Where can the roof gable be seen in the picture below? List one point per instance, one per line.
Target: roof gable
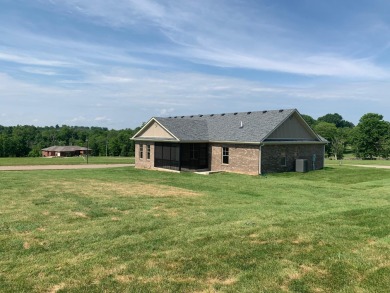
(153, 129)
(293, 128)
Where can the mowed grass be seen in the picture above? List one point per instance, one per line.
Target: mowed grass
(65, 161)
(129, 230)
(357, 162)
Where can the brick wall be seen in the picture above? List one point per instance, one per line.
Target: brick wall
(242, 158)
(144, 163)
(245, 158)
(271, 156)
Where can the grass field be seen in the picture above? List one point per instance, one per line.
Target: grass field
(357, 162)
(128, 230)
(65, 161)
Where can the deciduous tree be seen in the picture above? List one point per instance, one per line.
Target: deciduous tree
(370, 136)
(336, 119)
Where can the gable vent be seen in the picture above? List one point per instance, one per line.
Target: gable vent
(280, 111)
(248, 113)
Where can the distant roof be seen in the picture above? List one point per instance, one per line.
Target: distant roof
(238, 126)
(65, 149)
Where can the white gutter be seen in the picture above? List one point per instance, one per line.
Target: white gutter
(292, 142)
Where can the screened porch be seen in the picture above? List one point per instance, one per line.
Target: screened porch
(181, 156)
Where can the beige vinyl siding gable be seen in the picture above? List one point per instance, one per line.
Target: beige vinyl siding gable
(293, 128)
(154, 130)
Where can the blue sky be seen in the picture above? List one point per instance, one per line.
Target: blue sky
(117, 63)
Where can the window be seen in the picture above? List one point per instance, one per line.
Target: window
(141, 151)
(148, 151)
(225, 155)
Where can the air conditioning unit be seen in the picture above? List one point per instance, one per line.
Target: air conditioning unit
(301, 165)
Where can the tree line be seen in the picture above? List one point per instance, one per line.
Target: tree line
(27, 141)
(369, 139)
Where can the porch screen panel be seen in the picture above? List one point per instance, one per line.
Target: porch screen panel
(203, 156)
(167, 155)
(194, 156)
(158, 155)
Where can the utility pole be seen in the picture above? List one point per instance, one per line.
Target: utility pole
(87, 149)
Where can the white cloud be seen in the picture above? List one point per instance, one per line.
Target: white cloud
(24, 59)
(78, 119)
(102, 119)
(40, 71)
(153, 93)
(266, 45)
(139, 74)
(165, 111)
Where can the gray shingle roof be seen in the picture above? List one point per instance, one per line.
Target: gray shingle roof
(240, 127)
(64, 149)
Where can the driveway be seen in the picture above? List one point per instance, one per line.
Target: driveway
(62, 167)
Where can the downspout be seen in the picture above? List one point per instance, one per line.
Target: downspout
(261, 144)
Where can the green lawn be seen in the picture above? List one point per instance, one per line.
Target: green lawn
(65, 161)
(129, 230)
(357, 162)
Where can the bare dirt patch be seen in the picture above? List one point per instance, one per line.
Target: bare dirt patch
(100, 272)
(125, 278)
(228, 281)
(158, 211)
(105, 189)
(57, 288)
(80, 215)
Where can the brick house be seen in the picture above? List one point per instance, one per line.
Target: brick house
(64, 151)
(247, 142)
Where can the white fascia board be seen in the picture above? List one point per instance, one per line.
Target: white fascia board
(153, 139)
